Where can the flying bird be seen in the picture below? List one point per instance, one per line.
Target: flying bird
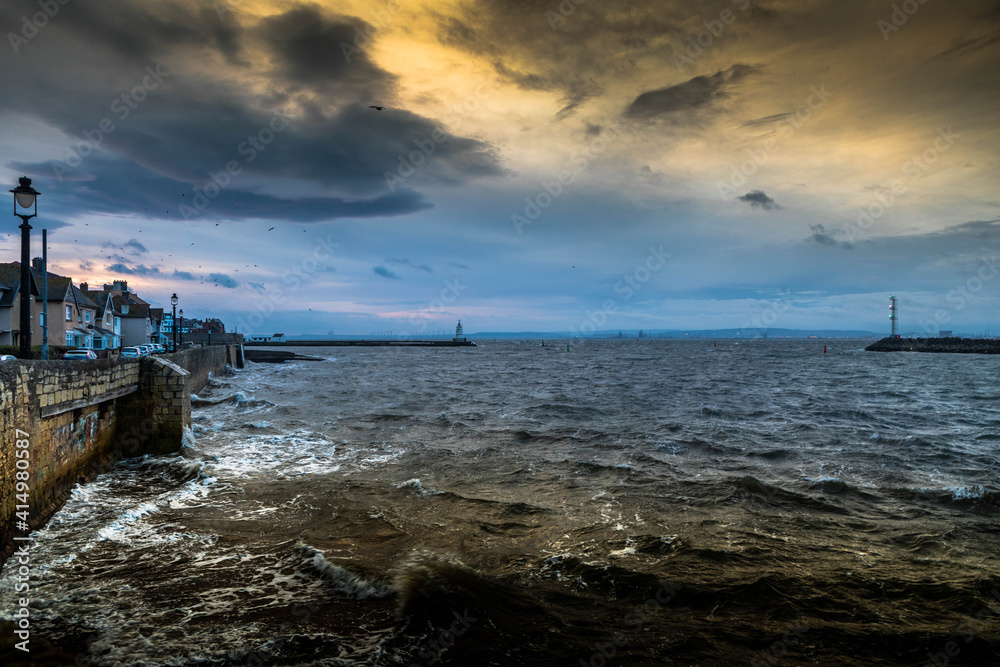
(377, 108)
(270, 229)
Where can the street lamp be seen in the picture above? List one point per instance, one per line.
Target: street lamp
(173, 321)
(25, 197)
(181, 313)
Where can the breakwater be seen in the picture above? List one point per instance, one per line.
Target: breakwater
(364, 343)
(951, 344)
(66, 421)
(276, 356)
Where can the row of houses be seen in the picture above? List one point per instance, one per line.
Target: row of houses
(83, 317)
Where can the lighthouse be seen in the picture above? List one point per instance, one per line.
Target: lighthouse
(459, 338)
(894, 316)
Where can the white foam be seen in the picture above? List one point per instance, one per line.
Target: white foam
(417, 487)
(345, 582)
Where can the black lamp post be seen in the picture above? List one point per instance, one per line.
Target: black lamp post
(182, 326)
(25, 197)
(173, 321)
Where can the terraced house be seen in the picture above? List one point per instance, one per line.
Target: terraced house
(72, 314)
(123, 310)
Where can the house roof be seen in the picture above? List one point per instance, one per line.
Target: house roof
(81, 299)
(58, 285)
(10, 273)
(101, 298)
(136, 309)
(60, 288)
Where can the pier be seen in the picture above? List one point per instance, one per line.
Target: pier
(365, 343)
(279, 340)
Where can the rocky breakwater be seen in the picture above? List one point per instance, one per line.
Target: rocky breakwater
(954, 344)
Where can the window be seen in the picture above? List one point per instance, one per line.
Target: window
(69, 338)
(87, 316)
(69, 313)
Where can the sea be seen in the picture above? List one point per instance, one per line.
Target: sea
(586, 502)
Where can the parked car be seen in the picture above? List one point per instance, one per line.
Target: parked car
(160, 348)
(131, 352)
(79, 354)
(7, 357)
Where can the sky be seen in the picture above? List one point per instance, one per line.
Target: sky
(574, 166)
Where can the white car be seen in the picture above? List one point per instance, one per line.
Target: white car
(79, 354)
(7, 357)
(131, 353)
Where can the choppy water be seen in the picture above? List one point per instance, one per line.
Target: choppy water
(625, 503)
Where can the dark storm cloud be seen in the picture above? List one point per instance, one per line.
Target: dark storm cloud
(384, 272)
(222, 280)
(532, 45)
(701, 91)
(138, 270)
(823, 237)
(758, 199)
(317, 49)
(406, 262)
(133, 30)
(134, 111)
(115, 186)
(133, 246)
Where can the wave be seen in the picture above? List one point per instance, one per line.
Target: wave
(417, 487)
(238, 399)
(344, 582)
(748, 486)
(978, 496)
(451, 613)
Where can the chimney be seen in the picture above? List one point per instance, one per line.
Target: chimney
(36, 263)
(83, 287)
(121, 285)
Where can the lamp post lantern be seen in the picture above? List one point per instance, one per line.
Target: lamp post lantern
(173, 320)
(25, 197)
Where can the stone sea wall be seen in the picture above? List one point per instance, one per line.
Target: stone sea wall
(65, 421)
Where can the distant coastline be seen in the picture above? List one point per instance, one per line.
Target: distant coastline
(953, 345)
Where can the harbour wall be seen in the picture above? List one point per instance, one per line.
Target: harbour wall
(66, 421)
(950, 344)
(363, 343)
